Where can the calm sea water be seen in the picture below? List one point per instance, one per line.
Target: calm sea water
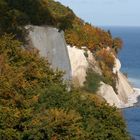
(130, 59)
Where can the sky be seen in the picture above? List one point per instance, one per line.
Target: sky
(106, 12)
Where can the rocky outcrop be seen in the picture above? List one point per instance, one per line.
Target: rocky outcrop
(93, 63)
(79, 65)
(51, 45)
(81, 60)
(123, 87)
(108, 93)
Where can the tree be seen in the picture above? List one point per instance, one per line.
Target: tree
(117, 44)
(92, 82)
(24, 76)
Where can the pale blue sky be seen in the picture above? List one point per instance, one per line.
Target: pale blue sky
(107, 12)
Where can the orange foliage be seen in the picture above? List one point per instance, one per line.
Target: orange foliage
(117, 44)
(106, 56)
(84, 34)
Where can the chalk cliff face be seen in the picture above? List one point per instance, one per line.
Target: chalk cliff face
(81, 60)
(79, 65)
(75, 62)
(108, 93)
(123, 86)
(124, 89)
(51, 44)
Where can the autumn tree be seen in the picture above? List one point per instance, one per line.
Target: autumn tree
(24, 76)
(117, 44)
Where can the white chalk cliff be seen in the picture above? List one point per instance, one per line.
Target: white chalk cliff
(124, 89)
(79, 65)
(123, 86)
(108, 93)
(51, 44)
(81, 60)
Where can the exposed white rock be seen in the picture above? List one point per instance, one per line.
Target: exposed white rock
(93, 63)
(79, 65)
(123, 86)
(125, 95)
(81, 60)
(108, 93)
(51, 44)
(117, 65)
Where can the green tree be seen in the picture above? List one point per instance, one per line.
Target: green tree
(23, 77)
(15, 14)
(92, 82)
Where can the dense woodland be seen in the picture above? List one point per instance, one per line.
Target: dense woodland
(34, 101)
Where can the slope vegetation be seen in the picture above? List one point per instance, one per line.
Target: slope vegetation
(34, 101)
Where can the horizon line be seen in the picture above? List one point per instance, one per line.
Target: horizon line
(97, 25)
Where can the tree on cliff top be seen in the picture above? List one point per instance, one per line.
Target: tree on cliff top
(15, 14)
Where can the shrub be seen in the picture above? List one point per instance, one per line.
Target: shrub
(86, 54)
(99, 121)
(55, 123)
(117, 44)
(64, 125)
(92, 82)
(106, 56)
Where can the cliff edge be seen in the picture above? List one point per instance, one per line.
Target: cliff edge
(75, 62)
(51, 45)
(123, 87)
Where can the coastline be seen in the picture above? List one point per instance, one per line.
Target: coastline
(131, 114)
(132, 99)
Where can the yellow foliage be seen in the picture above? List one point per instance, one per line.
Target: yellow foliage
(106, 56)
(84, 34)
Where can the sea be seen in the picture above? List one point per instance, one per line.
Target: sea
(130, 60)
